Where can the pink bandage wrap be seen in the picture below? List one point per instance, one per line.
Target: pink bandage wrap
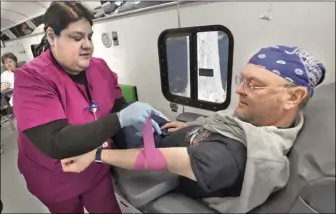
(150, 157)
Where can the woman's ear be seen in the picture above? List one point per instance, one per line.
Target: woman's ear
(51, 36)
(297, 95)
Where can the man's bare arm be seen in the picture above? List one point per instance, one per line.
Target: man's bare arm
(178, 160)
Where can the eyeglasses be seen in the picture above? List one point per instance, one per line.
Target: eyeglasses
(249, 87)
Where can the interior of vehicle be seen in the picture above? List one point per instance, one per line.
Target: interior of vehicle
(4, 101)
(311, 187)
(19, 64)
(185, 58)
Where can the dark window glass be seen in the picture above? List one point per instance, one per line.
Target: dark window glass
(196, 66)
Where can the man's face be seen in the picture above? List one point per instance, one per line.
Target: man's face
(263, 97)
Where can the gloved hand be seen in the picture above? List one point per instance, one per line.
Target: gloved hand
(139, 126)
(138, 113)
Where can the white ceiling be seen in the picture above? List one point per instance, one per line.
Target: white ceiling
(17, 12)
(14, 12)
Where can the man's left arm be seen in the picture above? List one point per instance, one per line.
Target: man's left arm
(212, 165)
(177, 158)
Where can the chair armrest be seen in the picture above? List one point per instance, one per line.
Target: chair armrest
(176, 203)
(188, 117)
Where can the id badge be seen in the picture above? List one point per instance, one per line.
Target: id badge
(105, 145)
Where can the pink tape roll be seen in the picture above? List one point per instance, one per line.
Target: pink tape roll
(150, 157)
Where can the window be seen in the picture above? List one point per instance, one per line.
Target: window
(38, 20)
(4, 37)
(34, 50)
(14, 32)
(177, 65)
(196, 66)
(24, 29)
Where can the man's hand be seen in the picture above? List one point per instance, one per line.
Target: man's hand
(174, 126)
(79, 163)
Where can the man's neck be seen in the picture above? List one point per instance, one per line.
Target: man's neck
(286, 122)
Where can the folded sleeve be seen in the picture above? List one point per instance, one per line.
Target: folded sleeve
(119, 105)
(215, 165)
(35, 101)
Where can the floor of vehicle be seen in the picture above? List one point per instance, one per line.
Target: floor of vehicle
(14, 194)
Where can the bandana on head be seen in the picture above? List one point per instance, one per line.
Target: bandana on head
(292, 63)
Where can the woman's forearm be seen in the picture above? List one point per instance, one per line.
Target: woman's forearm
(60, 140)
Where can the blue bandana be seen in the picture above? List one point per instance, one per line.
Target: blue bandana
(292, 63)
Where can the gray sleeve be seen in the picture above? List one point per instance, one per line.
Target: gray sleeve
(199, 122)
(216, 165)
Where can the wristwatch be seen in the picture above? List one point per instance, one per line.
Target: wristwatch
(98, 155)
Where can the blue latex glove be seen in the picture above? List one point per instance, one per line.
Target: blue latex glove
(138, 113)
(138, 128)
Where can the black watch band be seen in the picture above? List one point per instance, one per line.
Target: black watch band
(98, 155)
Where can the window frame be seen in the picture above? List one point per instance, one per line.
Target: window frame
(193, 100)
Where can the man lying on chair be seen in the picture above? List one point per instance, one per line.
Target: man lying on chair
(241, 155)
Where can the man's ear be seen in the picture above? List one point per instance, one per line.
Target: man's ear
(297, 95)
(51, 36)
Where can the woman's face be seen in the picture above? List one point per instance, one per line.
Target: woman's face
(9, 64)
(73, 49)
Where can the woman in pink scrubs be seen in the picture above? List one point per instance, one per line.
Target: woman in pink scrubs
(67, 103)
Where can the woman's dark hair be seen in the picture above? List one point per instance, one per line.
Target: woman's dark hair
(8, 56)
(59, 15)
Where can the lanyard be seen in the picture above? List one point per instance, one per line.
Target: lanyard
(93, 106)
(87, 91)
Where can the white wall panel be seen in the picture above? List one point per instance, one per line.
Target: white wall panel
(26, 42)
(135, 60)
(310, 25)
(18, 50)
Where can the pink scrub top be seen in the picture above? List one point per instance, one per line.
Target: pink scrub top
(43, 92)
